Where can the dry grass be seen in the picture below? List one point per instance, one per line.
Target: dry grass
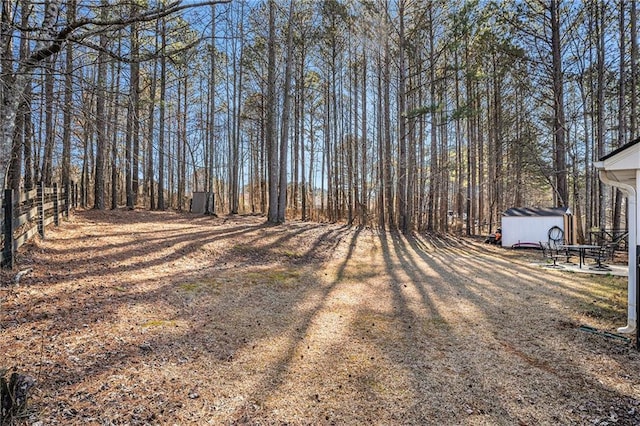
(160, 318)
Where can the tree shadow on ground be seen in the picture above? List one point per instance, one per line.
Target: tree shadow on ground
(303, 322)
(512, 314)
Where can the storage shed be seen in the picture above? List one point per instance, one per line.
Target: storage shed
(527, 227)
(202, 202)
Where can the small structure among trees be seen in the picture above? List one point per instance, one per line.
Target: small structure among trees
(202, 202)
(524, 226)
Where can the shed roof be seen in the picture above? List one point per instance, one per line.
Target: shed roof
(537, 211)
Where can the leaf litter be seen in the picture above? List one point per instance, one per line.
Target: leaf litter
(136, 317)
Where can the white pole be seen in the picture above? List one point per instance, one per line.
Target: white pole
(634, 214)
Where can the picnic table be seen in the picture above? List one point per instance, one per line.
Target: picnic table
(581, 249)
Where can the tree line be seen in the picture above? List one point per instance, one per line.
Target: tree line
(403, 114)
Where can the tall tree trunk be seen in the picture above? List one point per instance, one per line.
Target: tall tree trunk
(101, 117)
(133, 126)
(128, 148)
(386, 126)
(498, 150)
(312, 152)
(380, 143)
(12, 155)
(178, 154)
(211, 119)
(161, 131)
(298, 154)
(272, 157)
(459, 197)
(84, 181)
(68, 105)
(22, 142)
(559, 125)
(286, 113)
(150, 178)
(238, 73)
(633, 120)
(135, 112)
(351, 132)
(600, 105)
(170, 156)
(404, 219)
(364, 172)
(622, 112)
(443, 171)
(15, 167)
(182, 164)
(300, 151)
(113, 130)
(433, 166)
(471, 157)
(480, 155)
(47, 160)
(333, 164)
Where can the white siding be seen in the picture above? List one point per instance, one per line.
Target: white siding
(528, 229)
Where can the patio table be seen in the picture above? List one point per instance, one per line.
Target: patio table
(581, 249)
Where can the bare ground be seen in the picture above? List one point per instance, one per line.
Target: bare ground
(164, 318)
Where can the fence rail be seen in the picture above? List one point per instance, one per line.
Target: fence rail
(27, 214)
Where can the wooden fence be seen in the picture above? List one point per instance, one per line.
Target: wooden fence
(27, 214)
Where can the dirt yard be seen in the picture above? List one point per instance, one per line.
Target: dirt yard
(134, 317)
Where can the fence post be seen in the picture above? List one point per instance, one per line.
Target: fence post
(8, 250)
(67, 198)
(56, 205)
(41, 209)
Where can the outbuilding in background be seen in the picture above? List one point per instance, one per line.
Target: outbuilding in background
(527, 227)
(202, 202)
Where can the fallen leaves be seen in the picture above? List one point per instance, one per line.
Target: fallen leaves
(165, 318)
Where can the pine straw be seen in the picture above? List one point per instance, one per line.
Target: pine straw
(164, 318)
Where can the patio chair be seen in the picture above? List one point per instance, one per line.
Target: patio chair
(550, 252)
(563, 251)
(600, 255)
(613, 246)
